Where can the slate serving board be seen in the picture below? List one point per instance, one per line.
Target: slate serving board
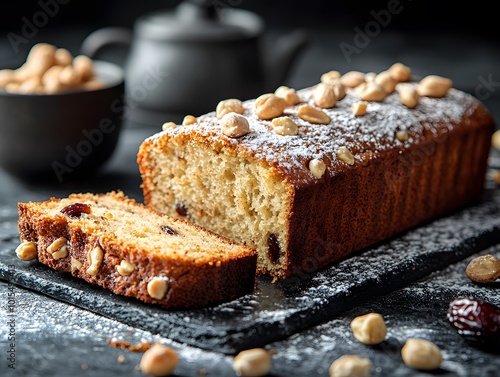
(276, 310)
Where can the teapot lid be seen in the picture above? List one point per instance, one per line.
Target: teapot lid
(200, 20)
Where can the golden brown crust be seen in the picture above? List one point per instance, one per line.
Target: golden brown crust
(191, 282)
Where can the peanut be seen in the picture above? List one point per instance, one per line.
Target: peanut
(288, 94)
(40, 58)
(6, 76)
(268, 106)
(125, 268)
(352, 79)
(229, 106)
(32, 85)
(253, 362)
(324, 96)
(95, 258)
(359, 108)
(339, 90)
(345, 155)
(408, 95)
(234, 125)
(313, 115)
(386, 81)
(400, 72)
(188, 120)
(371, 92)
(93, 84)
(421, 354)
(27, 251)
(84, 67)
(484, 269)
(159, 360)
(157, 288)
(168, 125)
(330, 77)
(285, 126)
(369, 328)
(350, 366)
(434, 86)
(317, 167)
(63, 57)
(402, 135)
(370, 76)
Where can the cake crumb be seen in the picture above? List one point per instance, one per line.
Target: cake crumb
(84, 366)
(202, 372)
(120, 359)
(123, 344)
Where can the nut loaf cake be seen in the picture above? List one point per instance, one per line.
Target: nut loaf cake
(117, 243)
(308, 177)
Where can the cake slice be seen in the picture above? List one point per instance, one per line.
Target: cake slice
(117, 243)
(311, 176)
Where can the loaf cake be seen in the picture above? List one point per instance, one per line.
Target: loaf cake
(118, 243)
(310, 176)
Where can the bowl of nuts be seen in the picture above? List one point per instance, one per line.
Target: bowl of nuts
(60, 116)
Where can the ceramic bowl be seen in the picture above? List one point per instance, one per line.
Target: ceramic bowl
(60, 136)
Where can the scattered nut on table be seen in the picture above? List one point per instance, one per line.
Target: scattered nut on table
(252, 363)
(421, 354)
(159, 360)
(369, 328)
(484, 269)
(350, 366)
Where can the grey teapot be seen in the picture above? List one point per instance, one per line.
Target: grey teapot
(185, 60)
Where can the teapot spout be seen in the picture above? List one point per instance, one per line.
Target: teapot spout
(281, 59)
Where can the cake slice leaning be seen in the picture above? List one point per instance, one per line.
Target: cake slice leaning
(119, 244)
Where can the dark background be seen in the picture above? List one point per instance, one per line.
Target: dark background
(432, 37)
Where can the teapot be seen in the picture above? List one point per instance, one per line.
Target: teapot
(185, 60)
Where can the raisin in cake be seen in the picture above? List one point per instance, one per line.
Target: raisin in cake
(117, 243)
(308, 177)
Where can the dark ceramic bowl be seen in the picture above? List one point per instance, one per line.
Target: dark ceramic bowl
(61, 136)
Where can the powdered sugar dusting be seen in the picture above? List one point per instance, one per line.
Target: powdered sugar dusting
(373, 132)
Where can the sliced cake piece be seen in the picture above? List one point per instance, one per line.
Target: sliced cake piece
(117, 243)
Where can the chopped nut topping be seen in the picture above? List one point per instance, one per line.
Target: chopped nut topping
(125, 268)
(285, 126)
(330, 77)
(408, 95)
(359, 108)
(371, 91)
(352, 79)
(27, 251)
(234, 125)
(76, 265)
(402, 135)
(434, 86)
(350, 365)
(227, 106)
(324, 96)
(369, 328)
(168, 125)
(370, 76)
(189, 119)
(313, 115)
(159, 360)
(269, 106)
(253, 362)
(386, 81)
(338, 90)
(345, 155)
(95, 258)
(421, 354)
(400, 72)
(157, 288)
(58, 248)
(317, 167)
(288, 94)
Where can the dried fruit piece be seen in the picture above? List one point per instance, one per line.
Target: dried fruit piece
(75, 210)
(169, 230)
(475, 319)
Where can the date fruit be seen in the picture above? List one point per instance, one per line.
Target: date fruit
(476, 320)
(75, 210)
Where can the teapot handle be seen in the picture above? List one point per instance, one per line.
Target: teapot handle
(99, 39)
